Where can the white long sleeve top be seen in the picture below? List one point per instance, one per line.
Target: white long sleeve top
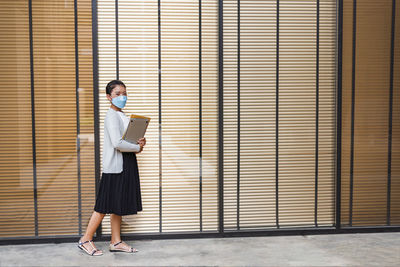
(115, 124)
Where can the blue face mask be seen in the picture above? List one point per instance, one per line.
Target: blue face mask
(119, 101)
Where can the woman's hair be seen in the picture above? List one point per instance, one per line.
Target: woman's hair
(111, 85)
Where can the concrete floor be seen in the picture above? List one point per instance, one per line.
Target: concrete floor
(376, 249)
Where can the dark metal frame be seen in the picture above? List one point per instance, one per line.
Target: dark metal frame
(200, 121)
(338, 228)
(159, 119)
(116, 41)
(277, 121)
(35, 197)
(78, 141)
(95, 48)
(353, 90)
(316, 121)
(390, 112)
(238, 122)
(220, 120)
(338, 119)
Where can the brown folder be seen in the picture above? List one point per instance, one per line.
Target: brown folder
(136, 128)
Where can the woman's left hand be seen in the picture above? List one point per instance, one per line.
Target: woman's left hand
(142, 141)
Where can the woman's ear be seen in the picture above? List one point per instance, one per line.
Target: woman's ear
(109, 97)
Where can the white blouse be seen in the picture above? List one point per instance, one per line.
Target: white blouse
(115, 124)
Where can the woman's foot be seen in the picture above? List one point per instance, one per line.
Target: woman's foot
(121, 247)
(89, 247)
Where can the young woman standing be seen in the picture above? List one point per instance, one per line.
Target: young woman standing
(119, 189)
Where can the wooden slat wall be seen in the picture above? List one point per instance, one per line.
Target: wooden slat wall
(55, 116)
(174, 172)
(250, 65)
(346, 108)
(86, 111)
(365, 204)
(138, 41)
(327, 110)
(138, 65)
(297, 112)
(180, 124)
(185, 170)
(16, 182)
(55, 113)
(230, 99)
(371, 109)
(209, 114)
(107, 71)
(257, 107)
(395, 185)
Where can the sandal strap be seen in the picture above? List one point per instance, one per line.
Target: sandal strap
(116, 244)
(90, 242)
(81, 243)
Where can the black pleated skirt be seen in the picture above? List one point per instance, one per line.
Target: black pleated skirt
(119, 193)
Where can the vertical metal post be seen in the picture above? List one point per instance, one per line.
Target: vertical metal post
(78, 145)
(220, 119)
(339, 31)
(390, 112)
(116, 41)
(95, 55)
(353, 95)
(316, 122)
(35, 196)
(200, 123)
(238, 121)
(159, 118)
(277, 120)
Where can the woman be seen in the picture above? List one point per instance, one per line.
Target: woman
(119, 189)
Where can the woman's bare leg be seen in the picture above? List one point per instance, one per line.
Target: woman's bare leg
(116, 232)
(115, 228)
(93, 224)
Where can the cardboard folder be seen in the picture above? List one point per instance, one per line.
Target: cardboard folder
(136, 128)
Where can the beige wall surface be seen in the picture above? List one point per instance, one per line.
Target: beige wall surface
(283, 122)
(178, 168)
(368, 93)
(279, 108)
(64, 175)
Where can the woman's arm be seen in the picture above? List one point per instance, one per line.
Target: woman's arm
(116, 139)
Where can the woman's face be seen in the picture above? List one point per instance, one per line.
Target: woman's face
(117, 91)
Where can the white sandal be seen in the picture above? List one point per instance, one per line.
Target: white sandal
(114, 249)
(91, 253)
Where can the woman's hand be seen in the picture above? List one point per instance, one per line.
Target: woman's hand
(142, 143)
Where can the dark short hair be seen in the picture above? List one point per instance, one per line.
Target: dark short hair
(111, 85)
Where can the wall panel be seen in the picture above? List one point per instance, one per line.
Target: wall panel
(17, 212)
(279, 113)
(166, 54)
(47, 142)
(370, 128)
(395, 160)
